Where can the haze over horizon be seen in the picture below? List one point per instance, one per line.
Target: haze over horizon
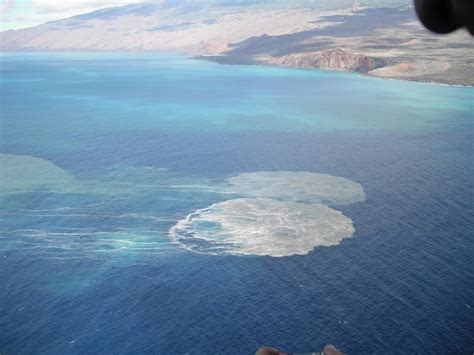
(20, 14)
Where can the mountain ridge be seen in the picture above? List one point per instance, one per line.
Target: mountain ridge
(389, 39)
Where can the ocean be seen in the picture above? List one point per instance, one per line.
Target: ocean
(151, 203)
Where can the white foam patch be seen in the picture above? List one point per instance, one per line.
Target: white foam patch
(297, 186)
(260, 226)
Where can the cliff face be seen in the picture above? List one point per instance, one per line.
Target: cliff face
(338, 59)
(332, 59)
(379, 41)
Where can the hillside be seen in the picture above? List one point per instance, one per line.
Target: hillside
(338, 35)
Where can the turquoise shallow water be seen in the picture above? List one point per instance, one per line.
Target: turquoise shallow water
(104, 154)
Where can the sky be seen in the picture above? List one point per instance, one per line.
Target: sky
(15, 14)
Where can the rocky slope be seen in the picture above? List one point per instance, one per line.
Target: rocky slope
(332, 59)
(384, 41)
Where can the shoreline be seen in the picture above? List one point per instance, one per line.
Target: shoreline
(229, 61)
(364, 75)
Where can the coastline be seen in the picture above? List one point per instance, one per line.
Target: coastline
(228, 60)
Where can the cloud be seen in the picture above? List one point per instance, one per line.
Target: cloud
(7, 6)
(59, 6)
(16, 14)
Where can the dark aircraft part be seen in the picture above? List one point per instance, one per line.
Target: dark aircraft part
(445, 16)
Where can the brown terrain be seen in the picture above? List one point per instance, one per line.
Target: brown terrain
(332, 59)
(385, 42)
(379, 42)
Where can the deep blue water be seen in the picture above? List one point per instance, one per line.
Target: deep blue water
(104, 153)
